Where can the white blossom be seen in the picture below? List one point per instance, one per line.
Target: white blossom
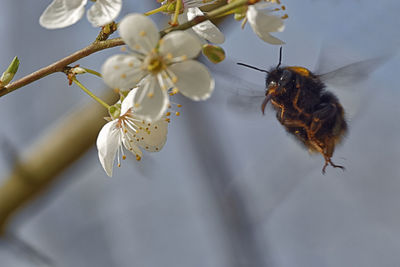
(63, 13)
(206, 29)
(158, 66)
(128, 132)
(263, 22)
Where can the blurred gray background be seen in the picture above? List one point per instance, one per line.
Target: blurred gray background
(228, 189)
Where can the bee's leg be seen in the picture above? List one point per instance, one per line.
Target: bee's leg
(319, 116)
(282, 107)
(327, 153)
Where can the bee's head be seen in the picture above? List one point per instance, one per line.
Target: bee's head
(277, 80)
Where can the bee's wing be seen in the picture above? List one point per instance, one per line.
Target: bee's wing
(241, 96)
(352, 73)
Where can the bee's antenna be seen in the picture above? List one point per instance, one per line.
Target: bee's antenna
(251, 67)
(280, 58)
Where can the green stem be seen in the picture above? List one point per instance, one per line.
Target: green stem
(90, 93)
(92, 72)
(154, 11)
(213, 14)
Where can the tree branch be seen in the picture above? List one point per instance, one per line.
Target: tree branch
(61, 64)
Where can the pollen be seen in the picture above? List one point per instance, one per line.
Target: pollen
(130, 64)
(169, 56)
(168, 113)
(168, 120)
(123, 75)
(150, 95)
(285, 16)
(116, 67)
(137, 105)
(124, 157)
(123, 49)
(174, 91)
(174, 79)
(179, 105)
(142, 33)
(138, 158)
(177, 113)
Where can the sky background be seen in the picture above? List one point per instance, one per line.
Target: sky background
(230, 188)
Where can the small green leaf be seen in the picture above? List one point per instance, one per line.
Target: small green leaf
(8, 75)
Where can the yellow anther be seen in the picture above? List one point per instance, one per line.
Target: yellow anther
(167, 120)
(174, 91)
(125, 130)
(169, 56)
(283, 7)
(150, 95)
(119, 165)
(138, 158)
(116, 90)
(179, 105)
(142, 33)
(285, 16)
(168, 113)
(124, 157)
(177, 113)
(184, 57)
(123, 75)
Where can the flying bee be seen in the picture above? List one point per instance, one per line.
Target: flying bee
(306, 110)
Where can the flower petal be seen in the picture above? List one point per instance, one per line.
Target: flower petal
(263, 23)
(150, 101)
(128, 101)
(206, 29)
(122, 71)
(62, 13)
(107, 143)
(103, 12)
(139, 32)
(194, 79)
(180, 43)
(153, 135)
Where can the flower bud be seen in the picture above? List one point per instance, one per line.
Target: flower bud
(214, 53)
(8, 75)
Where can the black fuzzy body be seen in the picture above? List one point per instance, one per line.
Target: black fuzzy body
(306, 110)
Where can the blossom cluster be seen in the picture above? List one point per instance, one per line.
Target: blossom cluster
(156, 66)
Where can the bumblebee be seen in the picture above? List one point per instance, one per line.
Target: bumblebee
(313, 115)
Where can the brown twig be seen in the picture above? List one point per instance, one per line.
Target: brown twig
(61, 64)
